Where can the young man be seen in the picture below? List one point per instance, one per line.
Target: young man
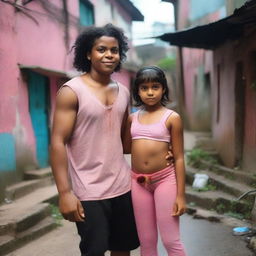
(91, 174)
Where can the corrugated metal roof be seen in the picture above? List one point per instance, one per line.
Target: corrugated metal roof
(132, 10)
(216, 33)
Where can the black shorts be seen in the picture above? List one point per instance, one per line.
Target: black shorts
(109, 225)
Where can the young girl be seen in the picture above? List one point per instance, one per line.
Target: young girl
(157, 191)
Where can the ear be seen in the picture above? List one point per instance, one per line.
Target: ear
(88, 56)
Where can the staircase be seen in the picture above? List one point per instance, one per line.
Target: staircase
(27, 213)
(225, 186)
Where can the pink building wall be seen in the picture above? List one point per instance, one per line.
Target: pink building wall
(194, 60)
(28, 43)
(124, 77)
(224, 131)
(36, 42)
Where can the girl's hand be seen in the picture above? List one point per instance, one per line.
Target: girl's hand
(179, 207)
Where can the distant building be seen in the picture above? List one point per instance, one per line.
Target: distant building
(217, 60)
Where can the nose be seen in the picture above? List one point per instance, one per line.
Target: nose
(109, 54)
(150, 91)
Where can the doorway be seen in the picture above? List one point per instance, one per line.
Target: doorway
(38, 88)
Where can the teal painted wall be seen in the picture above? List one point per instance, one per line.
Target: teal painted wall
(7, 152)
(86, 13)
(39, 108)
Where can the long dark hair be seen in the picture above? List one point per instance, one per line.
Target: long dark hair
(150, 74)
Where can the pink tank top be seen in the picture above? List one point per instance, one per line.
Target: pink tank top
(97, 167)
(155, 131)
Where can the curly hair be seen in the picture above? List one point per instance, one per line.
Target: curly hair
(150, 74)
(85, 41)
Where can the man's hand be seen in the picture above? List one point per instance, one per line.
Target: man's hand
(70, 207)
(169, 157)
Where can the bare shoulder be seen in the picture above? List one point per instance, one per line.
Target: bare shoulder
(66, 98)
(174, 119)
(174, 116)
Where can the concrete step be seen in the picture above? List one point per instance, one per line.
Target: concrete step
(12, 212)
(231, 174)
(213, 216)
(26, 218)
(38, 174)
(31, 216)
(230, 186)
(203, 140)
(218, 201)
(9, 243)
(23, 188)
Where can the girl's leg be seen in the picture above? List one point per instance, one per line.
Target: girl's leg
(165, 196)
(144, 211)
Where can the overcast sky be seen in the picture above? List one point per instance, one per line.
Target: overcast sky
(153, 11)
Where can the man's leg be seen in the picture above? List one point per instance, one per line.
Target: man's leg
(116, 253)
(94, 231)
(123, 233)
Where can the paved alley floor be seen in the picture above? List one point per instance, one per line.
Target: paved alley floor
(200, 238)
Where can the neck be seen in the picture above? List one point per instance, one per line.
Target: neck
(103, 79)
(153, 108)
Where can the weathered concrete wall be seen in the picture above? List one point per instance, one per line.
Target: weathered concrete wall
(227, 57)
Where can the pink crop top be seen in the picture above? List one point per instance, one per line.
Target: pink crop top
(155, 131)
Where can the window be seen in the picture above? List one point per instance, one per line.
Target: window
(86, 13)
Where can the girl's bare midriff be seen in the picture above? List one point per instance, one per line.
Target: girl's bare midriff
(148, 156)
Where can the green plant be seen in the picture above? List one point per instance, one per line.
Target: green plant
(195, 156)
(229, 176)
(220, 208)
(167, 63)
(253, 85)
(56, 214)
(209, 187)
(235, 215)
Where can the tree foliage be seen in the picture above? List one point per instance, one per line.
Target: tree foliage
(167, 64)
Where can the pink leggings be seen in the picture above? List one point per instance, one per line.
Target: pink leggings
(153, 197)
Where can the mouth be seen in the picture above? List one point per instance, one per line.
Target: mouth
(109, 63)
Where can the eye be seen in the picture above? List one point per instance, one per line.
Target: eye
(101, 49)
(143, 88)
(115, 50)
(156, 86)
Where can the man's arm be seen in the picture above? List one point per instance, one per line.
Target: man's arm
(63, 123)
(126, 134)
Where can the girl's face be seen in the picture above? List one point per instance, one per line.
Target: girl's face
(151, 93)
(104, 55)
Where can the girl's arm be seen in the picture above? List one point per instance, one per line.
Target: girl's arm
(126, 136)
(178, 154)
